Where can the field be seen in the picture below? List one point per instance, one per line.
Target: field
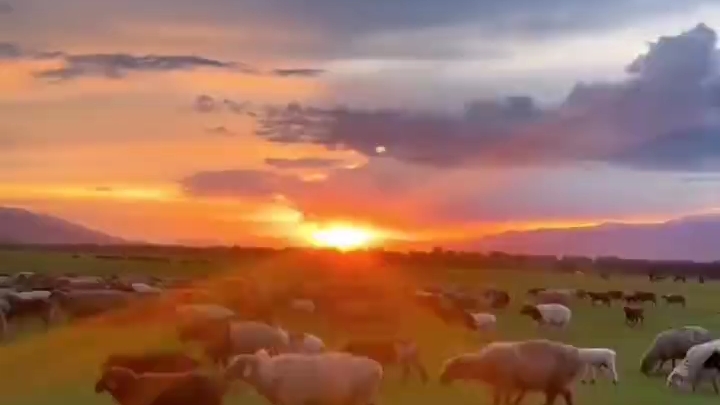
(59, 367)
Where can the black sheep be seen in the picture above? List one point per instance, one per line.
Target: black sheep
(152, 362)
(189, 388)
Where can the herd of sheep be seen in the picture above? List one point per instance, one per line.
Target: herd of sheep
(289, 367)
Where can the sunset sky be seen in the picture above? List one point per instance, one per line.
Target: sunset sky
(262, 121)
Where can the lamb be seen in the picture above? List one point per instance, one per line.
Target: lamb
(693, 368)
(152, 362)
(634, 315)
(603, 298)
(129, 388)
(674, 299)
(298, 379)
(533, 365)
(556, 315)
(562, 297)
(223, 338)
(596, 359)
(305, 343)
(641, 296)
(484, 321)
(672, 344)
(388, 351)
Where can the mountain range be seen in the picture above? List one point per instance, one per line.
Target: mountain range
(689, 238)
(19, 226)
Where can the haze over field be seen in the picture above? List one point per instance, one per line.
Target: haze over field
(346, 123)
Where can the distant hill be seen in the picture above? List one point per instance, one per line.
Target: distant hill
(690, 238)
(24, 227)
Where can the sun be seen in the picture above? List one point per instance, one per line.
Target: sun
(342, 237)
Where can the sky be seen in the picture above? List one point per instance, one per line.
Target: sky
(261, 121)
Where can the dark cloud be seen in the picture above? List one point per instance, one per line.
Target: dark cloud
(10, 51)
(6, 8)
(298, 72)
(220, 130)
(303, 163)
(118, 65)
(244, 183)
(204, 104)
(664, 116)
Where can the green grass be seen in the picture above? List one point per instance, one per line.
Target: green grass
(59, 367)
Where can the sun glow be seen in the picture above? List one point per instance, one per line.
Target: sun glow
(342, 236)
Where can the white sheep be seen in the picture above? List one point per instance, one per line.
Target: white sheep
(691, 370)
(484, 321)
(556, 315)
(303, 305)
(297, 379)
(598, 359)
(144, 288)
(305, 343)
(204, 311)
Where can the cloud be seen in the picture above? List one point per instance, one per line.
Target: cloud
(10, 51)
(303, 163)
(220, 130)
(238, 183)
(298, 72)
(115, 66)
(663, 116)
(6, 8)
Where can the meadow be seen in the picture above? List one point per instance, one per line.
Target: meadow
(59, 367)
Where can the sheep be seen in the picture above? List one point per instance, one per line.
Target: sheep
(143, 288)
(674, 299)
(223, 338)
(634, 315)
(615, 294)
(152, 362)
(603, 298)
(305, 343)
(672, 344)
(556, 315)
(388, 351)
(533, 365)
(679, 277)
(535, 291)
(303, 305)
(188, 388)
(598, 359)
(484, 321)
(641, 296)
(30, 304)
(298, 379)
(692, 368)
(204, 311)
(498, 299)
(562, 297)
(90, 302)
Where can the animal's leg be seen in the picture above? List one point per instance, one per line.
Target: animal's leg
(550, 396)
(672, 361)
(519, 398)
(421, 370)
(715, 385)
(567, 396)
(593, 374)
(584, 374)
(496, 396)
(405, 371)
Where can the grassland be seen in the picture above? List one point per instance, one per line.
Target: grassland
(59, 367)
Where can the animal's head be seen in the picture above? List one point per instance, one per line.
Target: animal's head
(461, 368)
(245, 367)
(116, 381)
(531, 311)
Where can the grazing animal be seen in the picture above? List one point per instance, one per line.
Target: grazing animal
(693, 367)
(170, 362)
(599, 298)
(563, 297)
(484, 321)
(297, 379)
(598, 359)
(190, 388)
(498, 299)
(634, 315)
(556, 315)
(674, 299)
(404, 353)
(305, 343)
(30, 304)
(80, 303)
(641, 296)
(680, 277)
(616, 294)
(671, 345)
(509, 367)
(535, 291)
(204, 311)
(222, 338)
